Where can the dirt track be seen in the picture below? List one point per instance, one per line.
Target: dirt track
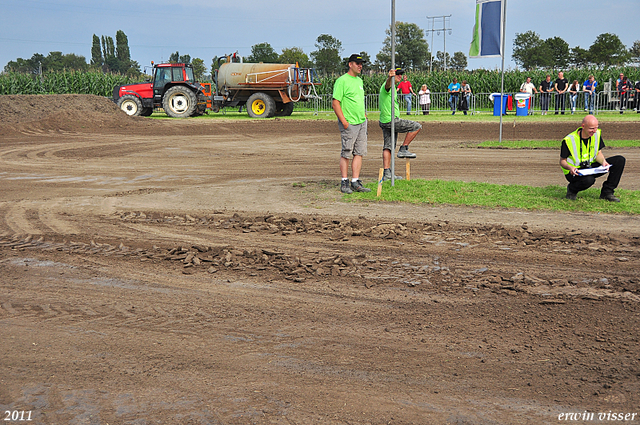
(172, 272)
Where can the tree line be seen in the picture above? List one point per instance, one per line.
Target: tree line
(530, 52)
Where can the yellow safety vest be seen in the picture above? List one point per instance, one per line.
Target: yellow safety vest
(578, 153)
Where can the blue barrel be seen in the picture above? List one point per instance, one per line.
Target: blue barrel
(522, 104)
(499, 99)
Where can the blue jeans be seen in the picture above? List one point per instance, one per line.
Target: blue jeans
(407, 98)
(453, 102)
(588, 101)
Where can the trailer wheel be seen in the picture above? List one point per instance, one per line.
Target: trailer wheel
(261, 105)
(179, 102)
(131, 105)
(285, 109)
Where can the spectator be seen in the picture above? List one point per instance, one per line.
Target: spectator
(624, 87)
(406, 90)
(530, 88)
(589, 87)
(637, 94)
(454, 93)
(561, 86)
(546, 88)
(574, 88)
(424, 97)
(465, 98)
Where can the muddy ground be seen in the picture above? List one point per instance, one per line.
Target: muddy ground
(209, 272)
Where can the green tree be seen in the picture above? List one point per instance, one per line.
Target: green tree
(579, 57)
(608, 50)
(122, 52)
(412, 50)
(327, 57)
(178, 58)
(262, 52)
(459, 61)
(634, 51)
(557, 52)
(294, 55)
(439, 61)
(96, 52)
(198, 68)
(529, 51)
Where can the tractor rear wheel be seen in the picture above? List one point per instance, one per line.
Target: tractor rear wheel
(131, 105)
(146, 112)
(261, 105)
(179, 102)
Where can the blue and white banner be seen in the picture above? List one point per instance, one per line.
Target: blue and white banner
(489, 29)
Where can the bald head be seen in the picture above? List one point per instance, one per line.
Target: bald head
(589, 126)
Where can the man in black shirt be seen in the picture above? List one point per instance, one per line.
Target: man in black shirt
(546, 88)
(582, 150)
(637, 94)
(561, 91)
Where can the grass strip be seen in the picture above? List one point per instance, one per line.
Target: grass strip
(550, 144)
(488, 195)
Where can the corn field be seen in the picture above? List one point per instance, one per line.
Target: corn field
(480, 80)
(65, 82)
(485, 81)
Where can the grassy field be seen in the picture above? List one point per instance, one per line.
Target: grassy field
(487, 195)
(233, 114)
(549, 144)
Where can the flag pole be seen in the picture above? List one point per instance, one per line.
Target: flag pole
(503, 36)
(393, 92)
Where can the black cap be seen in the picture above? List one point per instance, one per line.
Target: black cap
(399, 71)
(356, 58)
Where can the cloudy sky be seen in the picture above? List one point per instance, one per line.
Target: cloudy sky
(205, 29)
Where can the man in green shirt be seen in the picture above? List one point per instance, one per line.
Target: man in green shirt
(412, 128)
(348, 104)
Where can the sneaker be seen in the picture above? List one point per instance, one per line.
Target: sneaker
(357, 186)
(609, 197)
(387, 175)
(403, 152)
(345, 187)
(571, 196)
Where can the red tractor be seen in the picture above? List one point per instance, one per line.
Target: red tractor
(173, 89)
(266, 89)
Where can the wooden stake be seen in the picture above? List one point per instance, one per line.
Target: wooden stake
(380, 174)
(408, 171)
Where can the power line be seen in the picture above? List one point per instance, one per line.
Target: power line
(444, 30)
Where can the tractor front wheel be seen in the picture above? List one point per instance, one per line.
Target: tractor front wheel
(131, 105)
(261, 105)
(179, 102)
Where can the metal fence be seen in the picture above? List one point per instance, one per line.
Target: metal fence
(604, 101)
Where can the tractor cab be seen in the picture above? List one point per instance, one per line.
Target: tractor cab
(170, 74)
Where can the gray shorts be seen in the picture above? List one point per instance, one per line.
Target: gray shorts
(400, 126)
(354, 139)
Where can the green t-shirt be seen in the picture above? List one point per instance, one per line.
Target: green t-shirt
(385, 104)
(349, 91)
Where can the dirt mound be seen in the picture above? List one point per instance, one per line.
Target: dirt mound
(61, 113)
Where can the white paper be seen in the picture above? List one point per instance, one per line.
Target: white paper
(598, 170)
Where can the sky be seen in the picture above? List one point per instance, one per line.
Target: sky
(205, 29)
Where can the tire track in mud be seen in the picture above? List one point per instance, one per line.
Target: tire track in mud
(435, 257)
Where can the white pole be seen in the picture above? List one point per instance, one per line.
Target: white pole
(393, 92)
(503, 34)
